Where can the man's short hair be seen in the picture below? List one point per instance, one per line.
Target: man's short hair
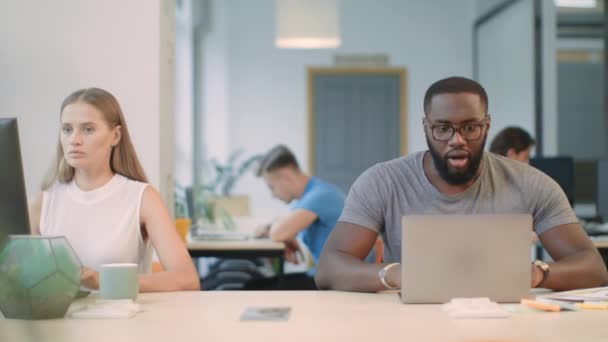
(277, 158)
(511, 138)
(454, 85)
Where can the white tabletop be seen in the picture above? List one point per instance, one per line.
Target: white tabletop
(600, 241)
(315, 316)
(224, 245)
(244, 225)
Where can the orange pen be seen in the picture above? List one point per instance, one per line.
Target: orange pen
(540, 305)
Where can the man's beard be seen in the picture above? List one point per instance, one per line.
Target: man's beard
(456, 177)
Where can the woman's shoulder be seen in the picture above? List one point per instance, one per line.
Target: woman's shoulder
(124, 181)
(151, 202)
(147, 191)
(55, 187)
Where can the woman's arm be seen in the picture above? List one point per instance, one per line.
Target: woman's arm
(35, 208)
(179, 273)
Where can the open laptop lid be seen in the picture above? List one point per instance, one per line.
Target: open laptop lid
(14, 217)
(449, 256)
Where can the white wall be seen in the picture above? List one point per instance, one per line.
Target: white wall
(485, 6)
(216, 133)
(51, 48)
(549, 58)
(183, 119)
(265, 99)
(506, 67)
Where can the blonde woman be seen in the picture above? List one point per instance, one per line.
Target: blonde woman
(99, 199)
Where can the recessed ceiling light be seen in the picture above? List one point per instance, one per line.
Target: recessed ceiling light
(576, 3)
(307, 24)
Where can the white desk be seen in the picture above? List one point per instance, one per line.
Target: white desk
(240, 249)
(245, 249)
(316, 316)
(245, 225)
(250, 248)
(195, 246)
(600, 242)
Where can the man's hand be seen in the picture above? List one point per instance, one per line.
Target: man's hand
(89, 278)
(262, 231)
(292, 249)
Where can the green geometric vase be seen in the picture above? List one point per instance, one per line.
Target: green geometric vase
(39, 277)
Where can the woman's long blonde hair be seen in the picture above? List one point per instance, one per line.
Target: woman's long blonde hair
(123, 159)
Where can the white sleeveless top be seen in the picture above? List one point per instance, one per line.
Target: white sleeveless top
(101, 225)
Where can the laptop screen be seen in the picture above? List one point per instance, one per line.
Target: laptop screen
(14, 217)
(561, 169)
(602, 189)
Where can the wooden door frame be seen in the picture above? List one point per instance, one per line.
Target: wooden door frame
(314, 71)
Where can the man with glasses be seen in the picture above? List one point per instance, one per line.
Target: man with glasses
(454, 176)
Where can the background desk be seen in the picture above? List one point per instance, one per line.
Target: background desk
(601, 243)
(245, 249)
(315, 316)
(199, 248)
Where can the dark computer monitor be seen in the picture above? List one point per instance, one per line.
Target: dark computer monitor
(14, 217)
(601, 195)
(561, 169)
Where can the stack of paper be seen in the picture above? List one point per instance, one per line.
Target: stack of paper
(122, 308)
(589, 299)
(596, 294)
(474, 308)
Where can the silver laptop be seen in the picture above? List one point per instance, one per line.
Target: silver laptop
(449, 256)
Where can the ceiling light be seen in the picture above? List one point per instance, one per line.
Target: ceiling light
(307, 24)
(576, 3)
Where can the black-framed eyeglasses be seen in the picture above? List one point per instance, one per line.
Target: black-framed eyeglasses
(469, 131)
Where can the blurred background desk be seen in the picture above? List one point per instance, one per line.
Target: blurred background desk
(249, 249)
(235, 249)
(241, 249)
(601, 243)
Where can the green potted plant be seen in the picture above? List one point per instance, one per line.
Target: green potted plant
(214, 202)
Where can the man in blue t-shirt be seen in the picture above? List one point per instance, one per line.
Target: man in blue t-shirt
(315, 207)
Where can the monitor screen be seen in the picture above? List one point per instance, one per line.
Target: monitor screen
(14, 217)
(561, 169)
(601, 195)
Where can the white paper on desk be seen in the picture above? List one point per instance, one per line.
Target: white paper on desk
(592, 294)
(107, 309)
(474, 308)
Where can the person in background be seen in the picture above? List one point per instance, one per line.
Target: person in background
(454, 176)
(99, 199)
(513, 142)
(314, 206)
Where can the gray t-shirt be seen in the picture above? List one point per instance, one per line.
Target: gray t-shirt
(383, 194)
